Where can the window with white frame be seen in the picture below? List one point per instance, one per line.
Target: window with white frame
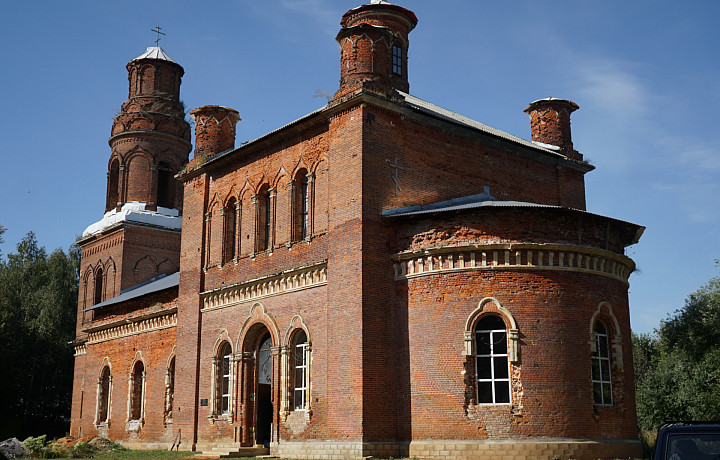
(491, 361)
(299, 356)
(169, 390)
(601, 382)
(223, 376)
(137, 379)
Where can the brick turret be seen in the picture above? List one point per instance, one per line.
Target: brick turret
(138, 238)
(373, 48)
(550, 124)
(214, 129)
(150, 138)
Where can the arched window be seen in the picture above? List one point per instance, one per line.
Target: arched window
(299, 363)
(136, 388)
(103, 398)
(98, 286)
(137, 186)
(301, 225)
(491, 361)
(231, 231)
(166, 186)
(169, 390)
(264, 219)
(113, 181)
(601, 382)
(224, 370)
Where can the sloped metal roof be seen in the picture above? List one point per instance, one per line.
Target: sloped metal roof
(484, 200)
(155, 52)
(466, 202)
(424, 107)
(157, 284)
(445, 114)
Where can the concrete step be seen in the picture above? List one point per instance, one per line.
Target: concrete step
(232, 452)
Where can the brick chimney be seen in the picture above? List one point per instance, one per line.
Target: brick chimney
(550, 124)
(373, 48)
(214, 129)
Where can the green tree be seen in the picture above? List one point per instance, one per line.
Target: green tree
(2, 230)
(677, 371)
(38, 300)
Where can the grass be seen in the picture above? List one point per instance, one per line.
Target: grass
(141, 455)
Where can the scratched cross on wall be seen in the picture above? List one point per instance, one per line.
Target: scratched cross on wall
(395, 175)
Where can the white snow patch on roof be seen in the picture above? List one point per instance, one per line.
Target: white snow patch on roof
(154, 52)
(546, 146)
(135, 211)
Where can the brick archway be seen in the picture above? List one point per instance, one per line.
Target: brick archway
(259, 371)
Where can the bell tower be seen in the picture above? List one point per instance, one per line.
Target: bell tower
(150, 139)
(138, 238)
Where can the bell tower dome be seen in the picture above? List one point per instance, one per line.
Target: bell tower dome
(373, 48)
(138, 238)
(150, 139)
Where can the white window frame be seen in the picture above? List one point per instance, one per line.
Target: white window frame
(136, 396)
(99, 406)
(300, 392)
(225, 377)
(600, 360)
(492, 355)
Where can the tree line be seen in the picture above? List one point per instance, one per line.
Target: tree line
(677, 368)
(38, 301)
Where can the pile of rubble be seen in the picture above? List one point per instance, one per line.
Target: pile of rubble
(68, 446)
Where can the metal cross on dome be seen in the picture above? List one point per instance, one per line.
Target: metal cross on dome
(157, 31)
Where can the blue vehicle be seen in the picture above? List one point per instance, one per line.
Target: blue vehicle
(688, 441)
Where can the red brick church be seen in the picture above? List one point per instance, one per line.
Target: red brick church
(381, 277)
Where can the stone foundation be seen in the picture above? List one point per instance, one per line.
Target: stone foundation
(501, 450)
(337, 449)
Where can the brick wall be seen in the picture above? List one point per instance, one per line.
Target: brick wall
(120, 351)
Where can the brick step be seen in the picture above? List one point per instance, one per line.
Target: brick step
(233, 452)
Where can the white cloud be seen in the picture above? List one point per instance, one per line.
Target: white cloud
(320, 11)
(611, 85)
(697, 159)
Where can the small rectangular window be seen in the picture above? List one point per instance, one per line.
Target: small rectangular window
(397, 59)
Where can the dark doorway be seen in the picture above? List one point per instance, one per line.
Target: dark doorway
(264, 407)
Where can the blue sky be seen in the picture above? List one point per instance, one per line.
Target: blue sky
(646, 75)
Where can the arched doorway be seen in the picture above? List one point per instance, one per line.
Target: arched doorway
(264, 382)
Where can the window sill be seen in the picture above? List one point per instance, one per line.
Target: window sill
(134, 425)
(480, 411)
(214, 418)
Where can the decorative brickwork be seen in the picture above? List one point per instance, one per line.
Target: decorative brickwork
(246, 291)
(133, 326)
(526, 256)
